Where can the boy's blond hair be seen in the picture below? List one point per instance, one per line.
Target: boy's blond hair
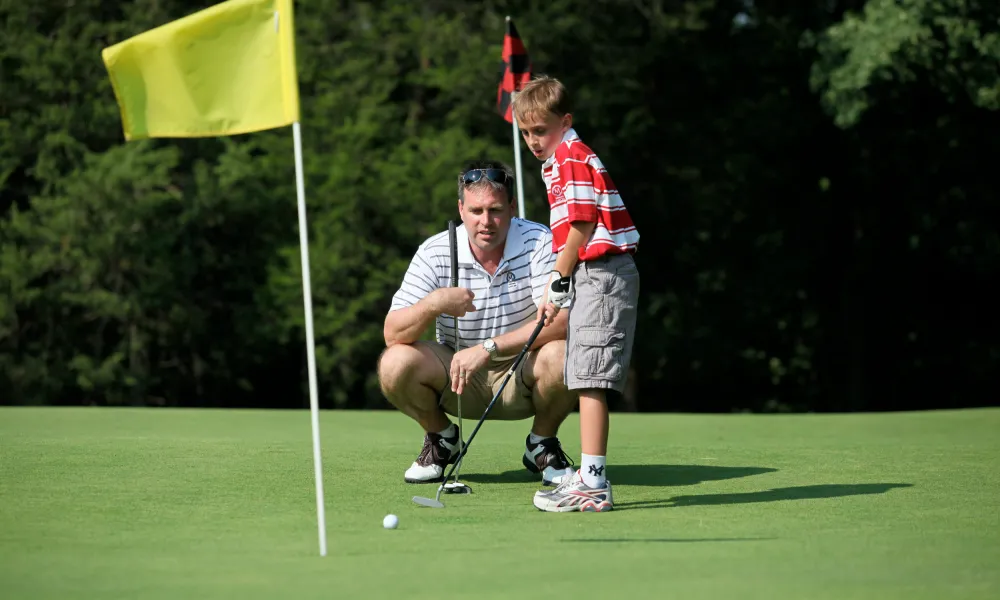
(541, 96)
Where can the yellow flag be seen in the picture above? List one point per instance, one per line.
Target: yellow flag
(226, 70)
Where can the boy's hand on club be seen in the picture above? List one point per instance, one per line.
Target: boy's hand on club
(547, 311)
(454, 301)
(559, 293)
(464, 364)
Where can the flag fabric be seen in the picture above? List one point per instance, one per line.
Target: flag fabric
(516, 70)
(225, 70)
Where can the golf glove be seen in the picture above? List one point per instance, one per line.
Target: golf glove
(560, 289)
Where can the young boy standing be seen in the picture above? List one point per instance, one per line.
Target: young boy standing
(594, 237)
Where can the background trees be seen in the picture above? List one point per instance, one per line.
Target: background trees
(814, 184)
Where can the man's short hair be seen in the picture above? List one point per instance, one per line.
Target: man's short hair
(486, 182)
(542, 96)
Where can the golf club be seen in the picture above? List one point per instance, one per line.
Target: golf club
(436, 501)
(455, 487)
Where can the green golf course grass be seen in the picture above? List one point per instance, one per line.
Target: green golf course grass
(164, 503)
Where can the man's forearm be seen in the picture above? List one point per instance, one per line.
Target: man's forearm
(406, 325)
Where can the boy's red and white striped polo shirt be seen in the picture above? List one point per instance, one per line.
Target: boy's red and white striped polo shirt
(580, 189)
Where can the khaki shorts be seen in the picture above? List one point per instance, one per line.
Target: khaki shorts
(515, 403)
(602, 323)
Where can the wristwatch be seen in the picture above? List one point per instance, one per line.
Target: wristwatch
(491, 347)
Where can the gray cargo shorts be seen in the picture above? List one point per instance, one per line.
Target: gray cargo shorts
(602, 323)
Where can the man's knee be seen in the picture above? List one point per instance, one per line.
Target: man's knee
(549, 364)
(397, 366)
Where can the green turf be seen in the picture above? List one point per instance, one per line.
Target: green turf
(131, 503)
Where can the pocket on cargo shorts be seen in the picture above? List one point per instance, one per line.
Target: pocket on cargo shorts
(599, 353)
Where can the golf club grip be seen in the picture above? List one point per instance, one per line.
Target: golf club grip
(453, 244)
(489, 407)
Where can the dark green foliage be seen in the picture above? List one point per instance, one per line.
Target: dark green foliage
(814, 185)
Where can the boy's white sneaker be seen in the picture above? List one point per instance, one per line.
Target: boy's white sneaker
(575, 495)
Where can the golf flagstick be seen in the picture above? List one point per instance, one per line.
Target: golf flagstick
(516, 72)
(310, 341)
(517, 161)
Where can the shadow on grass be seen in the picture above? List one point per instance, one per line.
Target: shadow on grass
(805, 492)
(517, 476)
(645, 475)
(665, 540)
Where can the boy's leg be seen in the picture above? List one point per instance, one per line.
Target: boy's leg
(598, 352)
(602, 325)
(594, 426)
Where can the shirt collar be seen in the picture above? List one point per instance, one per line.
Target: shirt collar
(568, 136)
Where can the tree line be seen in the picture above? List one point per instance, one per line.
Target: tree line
(814, 183)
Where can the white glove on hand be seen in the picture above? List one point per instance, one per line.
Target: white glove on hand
(560, 289)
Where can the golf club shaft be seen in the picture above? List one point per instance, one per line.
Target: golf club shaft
(453, 244)
(461, 445)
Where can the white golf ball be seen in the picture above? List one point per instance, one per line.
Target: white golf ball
(390, 521)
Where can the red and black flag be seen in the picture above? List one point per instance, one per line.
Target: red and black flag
(516, 70)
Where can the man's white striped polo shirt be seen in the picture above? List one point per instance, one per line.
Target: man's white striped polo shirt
(504, 301)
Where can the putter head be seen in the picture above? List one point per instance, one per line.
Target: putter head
(428, 502)
(456, 487)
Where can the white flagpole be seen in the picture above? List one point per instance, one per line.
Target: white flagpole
(310, 344)
(517, 160)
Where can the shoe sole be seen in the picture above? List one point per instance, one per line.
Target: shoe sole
(585, 507)
(436, 480)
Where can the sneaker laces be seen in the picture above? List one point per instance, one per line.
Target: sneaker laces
(566, 483)
(561, 460)
(433, 453)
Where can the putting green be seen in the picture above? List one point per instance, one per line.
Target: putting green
(159, 503)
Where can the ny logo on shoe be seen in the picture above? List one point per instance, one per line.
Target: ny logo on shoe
(595, 470)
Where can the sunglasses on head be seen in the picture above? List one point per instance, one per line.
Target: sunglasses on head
(494, 175)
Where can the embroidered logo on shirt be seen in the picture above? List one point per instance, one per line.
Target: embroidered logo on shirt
(511, 283)
(557, 193)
